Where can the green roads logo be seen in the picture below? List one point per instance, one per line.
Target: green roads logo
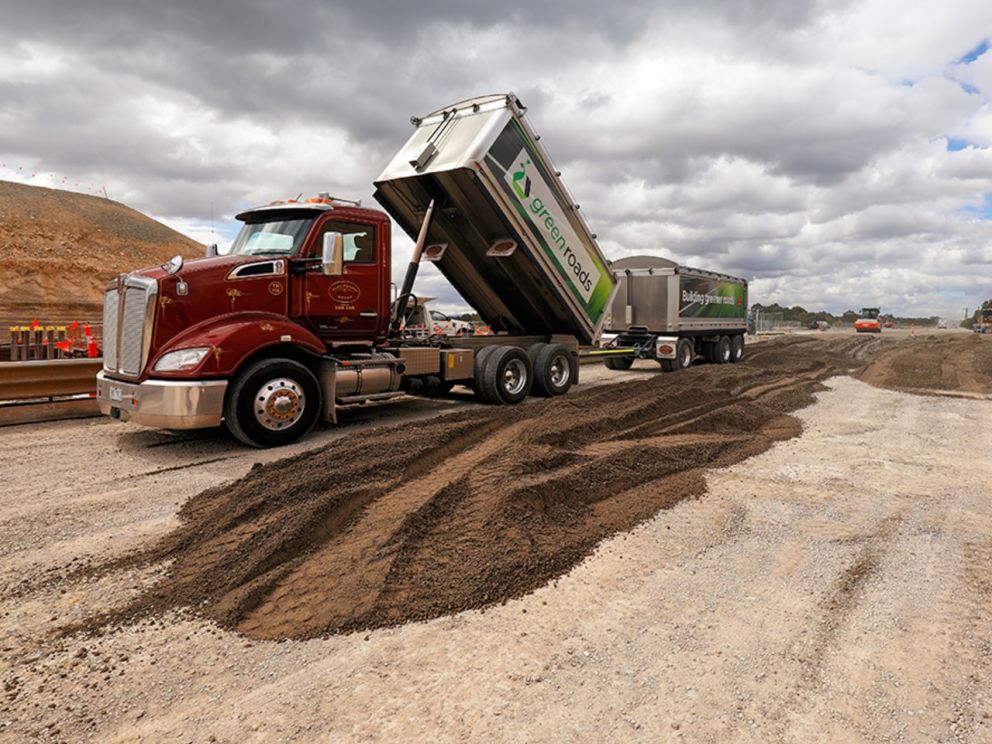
(521, 181)
(561, 243)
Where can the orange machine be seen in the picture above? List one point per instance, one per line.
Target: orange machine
(867, 322)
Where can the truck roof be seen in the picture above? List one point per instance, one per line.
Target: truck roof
(657, 263)
(315, 205)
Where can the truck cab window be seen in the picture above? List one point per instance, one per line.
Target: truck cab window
(359, 241)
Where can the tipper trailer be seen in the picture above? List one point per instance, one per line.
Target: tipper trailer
(299, 320)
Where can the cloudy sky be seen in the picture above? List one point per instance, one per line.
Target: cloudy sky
(837, 154)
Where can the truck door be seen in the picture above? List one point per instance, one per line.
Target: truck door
(346, 307)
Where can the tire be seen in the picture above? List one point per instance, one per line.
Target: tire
(737, 348)
(554, 370)
(618, 363)
(710, 352)
(683, 354)
(478, 366)
(272, 402)
(507, 375)
(724, 350)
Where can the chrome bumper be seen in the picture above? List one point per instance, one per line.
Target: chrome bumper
(166, 404)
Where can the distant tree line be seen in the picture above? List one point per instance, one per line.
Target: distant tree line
(806, 317)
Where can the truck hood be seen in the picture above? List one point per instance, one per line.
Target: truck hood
(203, 267)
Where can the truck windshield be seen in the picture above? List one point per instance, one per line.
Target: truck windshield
(271, 238)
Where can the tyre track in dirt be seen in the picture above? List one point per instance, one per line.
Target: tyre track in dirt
(413, 522)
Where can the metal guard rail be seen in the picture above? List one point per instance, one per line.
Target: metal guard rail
(46, 379)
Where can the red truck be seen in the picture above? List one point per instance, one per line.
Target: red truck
(300, 319)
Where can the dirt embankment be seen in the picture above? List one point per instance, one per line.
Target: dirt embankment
(60, 248)
(942, 363)
(413, 522)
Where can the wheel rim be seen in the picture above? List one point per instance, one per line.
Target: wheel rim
(514, 377)
(726, 352)
(279, 404)
(560, 371)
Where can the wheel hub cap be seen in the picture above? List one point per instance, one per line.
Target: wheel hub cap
(514, 377)
(560, 371)
(279, 404)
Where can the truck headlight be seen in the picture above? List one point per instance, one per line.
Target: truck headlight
(181, 359)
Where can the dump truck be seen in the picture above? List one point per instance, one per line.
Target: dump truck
(674, 314)
(298, 320)
(868, 321)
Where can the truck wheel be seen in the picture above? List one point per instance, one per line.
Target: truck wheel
(554, 370)
(272, 402)
(710, 352)
(724, 350)
(619, 363)
(506, 375)
(478, 367)
(684, 354)
(737, 344)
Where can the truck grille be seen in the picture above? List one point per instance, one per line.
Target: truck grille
(127, 326)
(111, 300)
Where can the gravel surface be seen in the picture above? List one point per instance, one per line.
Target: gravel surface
(836, 587)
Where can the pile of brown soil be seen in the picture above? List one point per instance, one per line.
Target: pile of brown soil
(415, 521)
(60, 249)
(945, 363)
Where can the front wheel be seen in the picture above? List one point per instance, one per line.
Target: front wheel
(272, 402)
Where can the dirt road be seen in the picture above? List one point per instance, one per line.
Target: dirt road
(835, 587)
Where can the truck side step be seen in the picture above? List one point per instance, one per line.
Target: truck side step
(350, 400)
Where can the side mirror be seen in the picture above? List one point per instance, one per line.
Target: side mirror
(332, 254)
(212, 250)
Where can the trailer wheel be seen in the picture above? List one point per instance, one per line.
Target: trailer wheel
(710, 352)
(683, 354)
(737, 342)
(619, 363)
(724, 350)
(554, 369)
(272, 402)
(507, 375)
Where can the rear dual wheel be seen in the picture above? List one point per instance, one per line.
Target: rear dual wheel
(684, 354)
(554, 367)
(503, 374)
(737, 348)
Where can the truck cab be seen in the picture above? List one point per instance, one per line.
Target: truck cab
(175, 336)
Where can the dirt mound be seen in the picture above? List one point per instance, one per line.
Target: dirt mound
(940, 363)
(416, 521)
(60, 249)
